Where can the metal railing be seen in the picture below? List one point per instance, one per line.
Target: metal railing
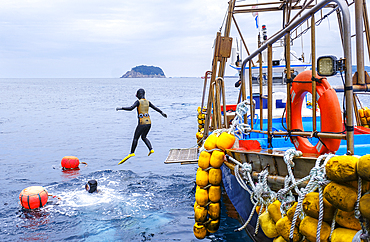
(285, 32)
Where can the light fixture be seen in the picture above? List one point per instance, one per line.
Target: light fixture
(329, 65)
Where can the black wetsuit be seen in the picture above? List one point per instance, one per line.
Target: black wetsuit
(144, 122)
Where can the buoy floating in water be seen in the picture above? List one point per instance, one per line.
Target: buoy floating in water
(33, 197)
(71, 162)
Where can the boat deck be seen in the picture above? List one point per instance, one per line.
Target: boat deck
(183, 156)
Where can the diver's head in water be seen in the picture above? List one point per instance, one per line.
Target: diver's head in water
(91, 186)
(140, 93)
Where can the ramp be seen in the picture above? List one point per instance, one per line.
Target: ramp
(183, 156)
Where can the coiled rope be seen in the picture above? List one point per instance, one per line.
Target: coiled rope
(238, 122)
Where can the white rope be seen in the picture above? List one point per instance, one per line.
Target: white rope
(238, 121)
(316, 180)
(262, 195)
(333, 224)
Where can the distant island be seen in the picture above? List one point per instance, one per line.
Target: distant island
(144, 71)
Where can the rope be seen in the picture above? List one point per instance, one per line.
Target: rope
(333, 224)
(288, 159)
(316, 180)
(364, 233)
(260, 193)
(321, 214)
(238, 122)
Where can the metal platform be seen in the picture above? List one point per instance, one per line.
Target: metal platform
(183, 156)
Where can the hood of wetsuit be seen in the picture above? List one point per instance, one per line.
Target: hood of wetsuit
(91, 186)
(140, 93)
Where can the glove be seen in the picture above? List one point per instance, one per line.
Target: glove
(164, 115)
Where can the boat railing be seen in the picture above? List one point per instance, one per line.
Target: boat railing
(285, 32)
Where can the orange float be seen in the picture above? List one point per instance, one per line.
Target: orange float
(33, 197)
(330, 113)
(70, 162)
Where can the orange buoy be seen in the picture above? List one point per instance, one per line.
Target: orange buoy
(33, 197)
(70, 162)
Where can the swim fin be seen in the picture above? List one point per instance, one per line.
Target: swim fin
(126, 158)
(151, 152)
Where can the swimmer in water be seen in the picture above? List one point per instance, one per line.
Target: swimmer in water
(91, 186)
(144, 123)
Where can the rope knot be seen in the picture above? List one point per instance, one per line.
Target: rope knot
(289, 155)
(364, 236)
(247, 167)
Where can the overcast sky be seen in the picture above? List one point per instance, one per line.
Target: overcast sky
(96, 38)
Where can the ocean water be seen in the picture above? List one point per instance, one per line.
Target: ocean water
(43, 120)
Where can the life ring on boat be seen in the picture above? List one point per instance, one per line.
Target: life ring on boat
(330, 113)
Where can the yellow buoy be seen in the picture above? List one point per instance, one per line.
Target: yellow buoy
(199, 135)
(365, 206)
(199, 231)
(365, 185)
(361, 113)
(202, 178)
(363, 121)
(367, 112)
(217, 159)
(195, 205)
(258, 208)
(342, 168)
(363, 167)
(340, 196)
(201, 197)
(204, 158)
(274, 210)
(279, 239)
(311, 206)
(290, 214)
(215, 176)
(268, 225)
(214, 210)
(308, 228)
(225, 141)
(211, 142)
(200, 214)
(213, 225)
(347, 220)
(283, 226)
(214, 193)
(343, 235)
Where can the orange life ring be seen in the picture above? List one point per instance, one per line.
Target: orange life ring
(330, 113)
(33, 197)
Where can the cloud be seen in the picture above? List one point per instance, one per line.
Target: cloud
(69, 38)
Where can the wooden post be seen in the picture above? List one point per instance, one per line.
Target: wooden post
(359, 42)
(366, 24)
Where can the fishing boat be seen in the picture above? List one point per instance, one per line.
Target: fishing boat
(297, 62)
(289, 176)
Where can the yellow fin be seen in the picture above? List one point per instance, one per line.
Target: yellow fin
(126, 158)
(151, 152)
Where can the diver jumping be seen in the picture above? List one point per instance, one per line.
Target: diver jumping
(144, 122)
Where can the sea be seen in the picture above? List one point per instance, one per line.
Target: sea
(144, 199)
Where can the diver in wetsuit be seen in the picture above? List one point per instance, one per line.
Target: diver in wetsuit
(144, 122)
